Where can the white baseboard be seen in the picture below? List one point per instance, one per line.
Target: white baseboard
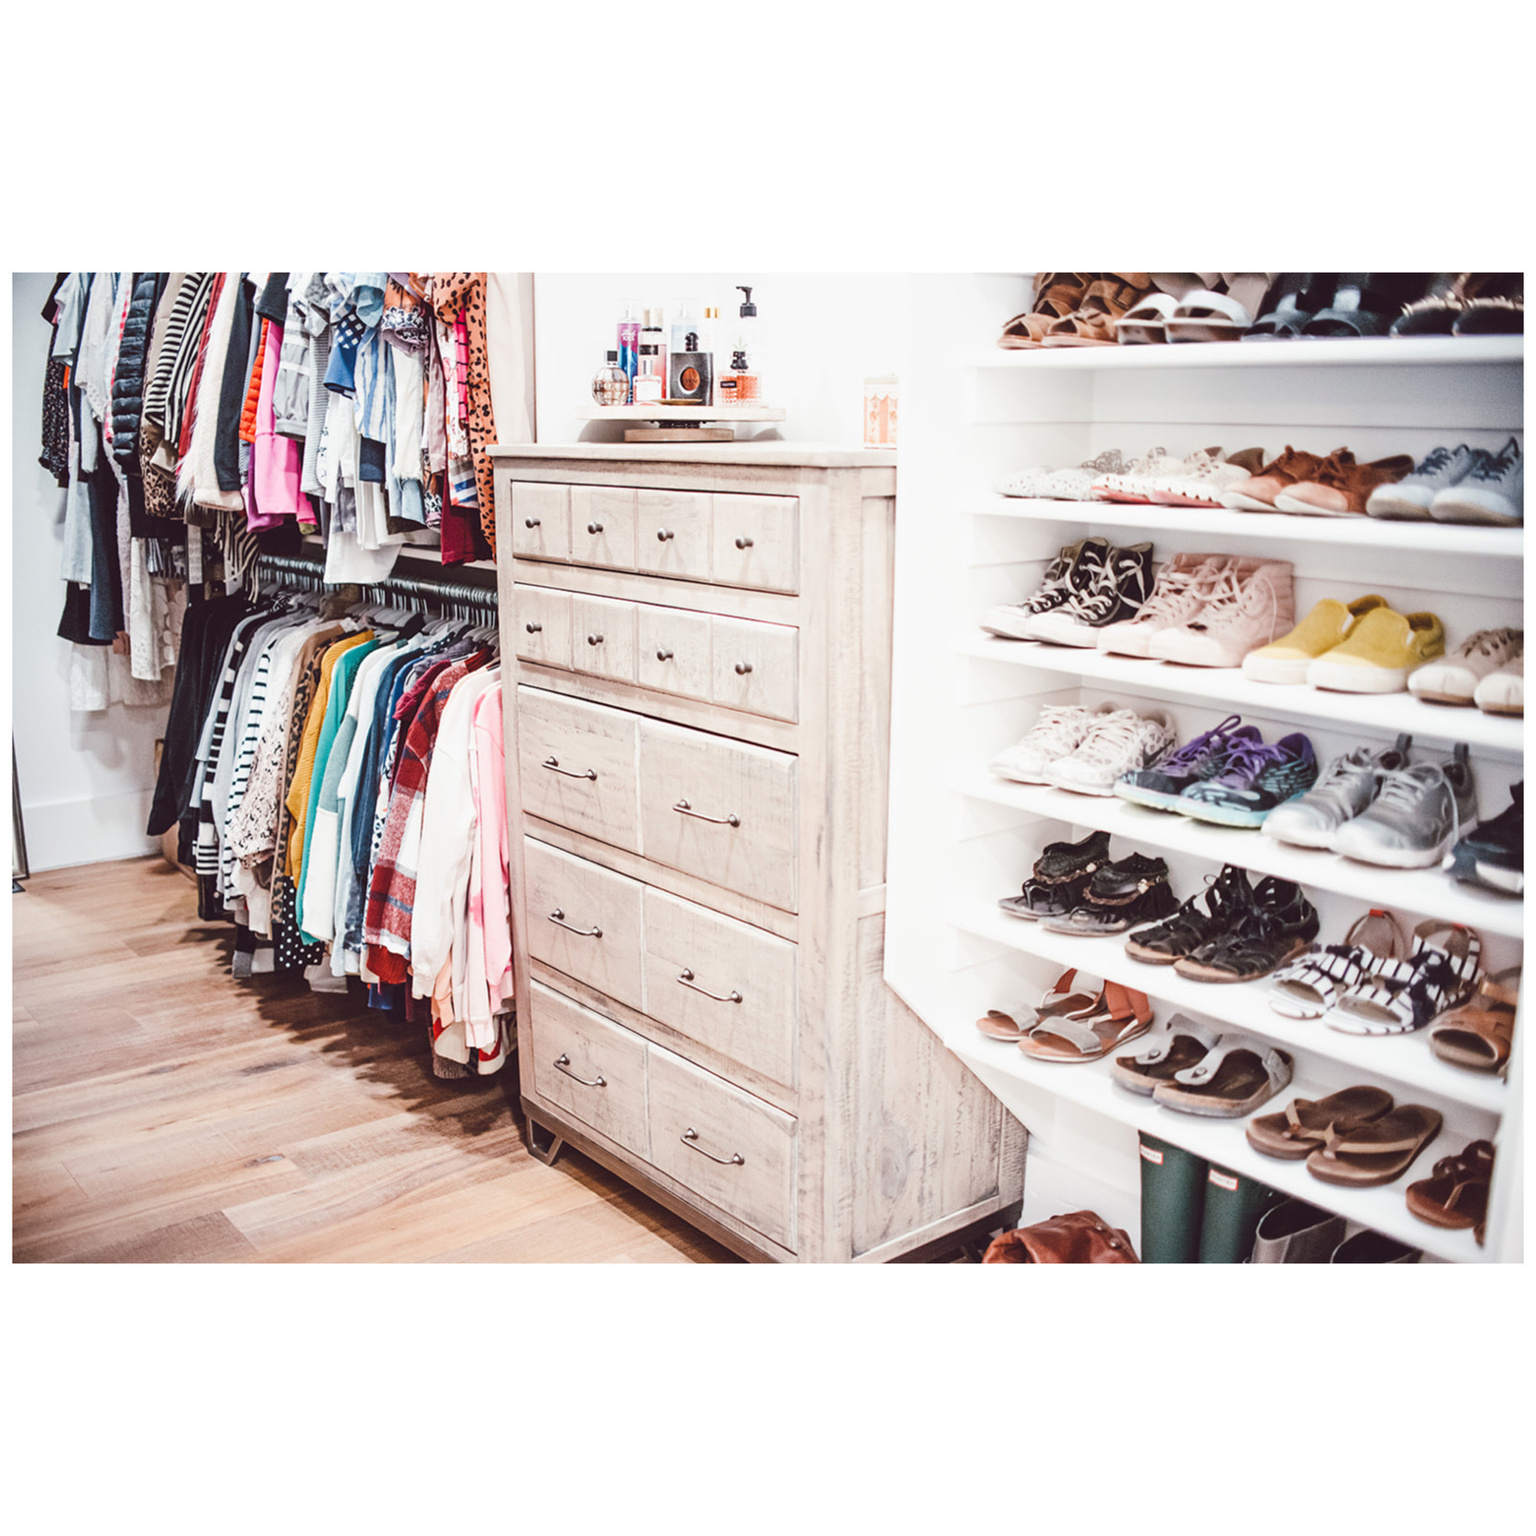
(66, 832)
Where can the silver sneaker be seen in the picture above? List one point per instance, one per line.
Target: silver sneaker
(1346, 789)
(1416, 818)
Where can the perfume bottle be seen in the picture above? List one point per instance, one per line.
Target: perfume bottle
(690, 373)
(649, 383)
(652, 335)
(610, 384)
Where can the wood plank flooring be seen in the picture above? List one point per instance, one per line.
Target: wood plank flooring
(163, 1112)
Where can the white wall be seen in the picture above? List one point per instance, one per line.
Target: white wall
(86, 779)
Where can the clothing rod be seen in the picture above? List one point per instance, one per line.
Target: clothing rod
(404, 586)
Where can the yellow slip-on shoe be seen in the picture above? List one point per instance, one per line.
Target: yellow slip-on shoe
(1287, 659)
(1382, 649)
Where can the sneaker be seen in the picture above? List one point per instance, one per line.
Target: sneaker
(1203, 758)
(1110, 591)
(1120, 896)
(1126, 484)
(1119, 743)
(1494, 855)
(1206, 915)
(1417, 817)
(1251, 604)
(1202, 486)
(1076, 484)
(1503, 692)
(1455, 679)
(1408, 499)
(1256, 778)
(1286, 660)
(1348, 787)
(1012, 620)
(1058, 731)
(1379, 653)
(1492, 491)
(1183, 587)
(1258, 492)
(1342, 487)
(1278, 924)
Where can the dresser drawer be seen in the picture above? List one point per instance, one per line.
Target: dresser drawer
(541, 522)
(756, 542)
(584, 920)
(577, 763)
(672, 533)
(603, 637)
(719, 809)
(756, 667)
(543, 625)
(672, 651)
(603, 526)
(730, 1148)
(722, 983)
(591, 1068)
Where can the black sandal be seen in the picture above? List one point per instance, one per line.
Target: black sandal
(1126, 894)
(1363, 300)
(1292, 300)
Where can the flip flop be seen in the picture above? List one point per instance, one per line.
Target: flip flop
(1120, 1016)
(1376, 1153)
(1304, 1125)
(1455, 1196)
(1233, 1079)
(1062, 999)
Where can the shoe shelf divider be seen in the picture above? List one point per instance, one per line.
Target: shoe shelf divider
(961, 838)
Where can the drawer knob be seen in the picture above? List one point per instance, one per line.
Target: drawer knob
(743, 542)
(594, 527)
(533, 629)
(553, 764)
(686, 980)
(690, 1138)
(742, 668)
(557, 917)
(594, 639)
(563, 1064)
(663, 534)
(531, 522)
(683, 808)
(663, 655)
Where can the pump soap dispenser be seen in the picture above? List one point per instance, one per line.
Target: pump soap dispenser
(746, 364)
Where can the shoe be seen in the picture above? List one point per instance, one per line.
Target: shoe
(1178, 1044)
(1092, 323)
(1435, 313)
(1067, 996)
(1056, 294)
(1012, 620)
(1494, 855)
(1119, 896)
(1146, 323)
(1341, 487)
(1231, 1080)
(1400, 996)
(1362, 303)
(1292, 300)
(1071, 861)
(1480, 1034)
(1127, 485)
(1203, 485)
(1287, 659)
(1119, 743)
(1418, 816)
(1110, 591)
(1492, 491)
(1142, 486)
(1183, 587)
(1455, 1196)
(1294, 1232)
(1204, 314)
(1367, 1247)
(1308, 986)
(1203, 758)
(1173, 1186)
(1117, 1017)
(1058, 731)
(1379, 652)
(1034, 483)
(1408, 499)
(1503, 692)
(1257, 493)
(1234, 1204)
(1455, 679)
(1251, 604)
(1278, 924)
(1304, 1125)
(1495, 305)
(1347, 788)
(1256, 778)
(1204, 917)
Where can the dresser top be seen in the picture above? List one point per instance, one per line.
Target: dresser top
(808, 455)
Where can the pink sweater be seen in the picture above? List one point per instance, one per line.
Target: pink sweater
(277, 461)
(495, 916)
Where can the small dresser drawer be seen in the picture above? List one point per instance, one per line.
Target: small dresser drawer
(603, 637)
(756, 667)
(672, 651)
(541, 521)
(543, 625)
(577, 763)
(722, 983)
(672, 533)
(732, 1149)
(584, 920)
(756, 542)
(603, 526)
(591, 1068)
(719, 809)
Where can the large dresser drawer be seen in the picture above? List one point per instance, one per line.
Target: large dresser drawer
(584, 920)
(589, 1067)
(577, 762)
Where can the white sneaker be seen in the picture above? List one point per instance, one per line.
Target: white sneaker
(1501, 692)
(1119, 742)
(1454, 679)
(1058, 730)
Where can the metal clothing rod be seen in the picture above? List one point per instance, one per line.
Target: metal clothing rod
(401, 586)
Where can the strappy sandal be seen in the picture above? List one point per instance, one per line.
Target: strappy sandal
(1404, 995)
(1057, 294)
(1046, 898)
(1478, 1035)
(1178, 1045)
(1147, 322)
(1311, 984)
(1064, 999)
(1304, 1125)
(1236, 1076)
(1376, 1153)
(1455, 1195)
(1120, 1016)
(1092, 323)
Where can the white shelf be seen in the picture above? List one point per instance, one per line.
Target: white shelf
(1380, 714)
(664, 413)
(1464, 540)
(430, 552)
(1321, 352)
(1430, 891)
(1405, 1059)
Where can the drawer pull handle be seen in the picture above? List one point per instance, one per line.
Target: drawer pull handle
(690, 1137)
(557, 917)
(742, 668)
(563, 1064)
(663, 534)
(533, 629)
(531, 522)
(686, 980)
(683, 808)
(663, 655)
(553, 763)
(594, 639)
(594, 527)
(743, 542)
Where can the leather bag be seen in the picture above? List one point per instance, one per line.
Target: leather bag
(1080, 1237)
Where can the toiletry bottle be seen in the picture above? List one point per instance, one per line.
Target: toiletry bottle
(629, 345)
(689, 373)
(652, 335)
(682, 317)
(650, 386)
(610, 384)
(745, 361)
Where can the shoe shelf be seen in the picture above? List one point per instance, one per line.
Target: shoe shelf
(1402, 1059)
(1226, 688)
(1321, 352)
(1429, 891)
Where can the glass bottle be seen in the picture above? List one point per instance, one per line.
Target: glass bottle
(610, 384)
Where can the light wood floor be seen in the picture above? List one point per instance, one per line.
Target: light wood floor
(163, 1112)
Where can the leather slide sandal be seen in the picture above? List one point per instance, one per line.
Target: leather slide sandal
(1479, 1034)
(1121, 1015)
(1147, 322)
(1304, 1125)
(1180, 1043)
(1232, 1079)
(1206, 316)
(1092, 323)
(1376, 1153)
(1065, 998)
(1456, 1194)
(1057, 294)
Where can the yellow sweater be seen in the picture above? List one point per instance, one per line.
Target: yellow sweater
(298, 790)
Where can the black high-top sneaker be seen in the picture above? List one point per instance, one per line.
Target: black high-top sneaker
(1207, 914)
(1061, 580)
(1279, 923)
(1108, 592)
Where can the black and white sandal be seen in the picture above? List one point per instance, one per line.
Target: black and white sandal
(1308, 986)
(1404, 995)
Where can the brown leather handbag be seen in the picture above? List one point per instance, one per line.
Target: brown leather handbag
(1081, 1237)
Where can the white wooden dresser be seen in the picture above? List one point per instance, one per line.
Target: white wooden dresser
(696, 734)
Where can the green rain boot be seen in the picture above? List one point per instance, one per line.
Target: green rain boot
(1173, 1192)
(1233, 1205)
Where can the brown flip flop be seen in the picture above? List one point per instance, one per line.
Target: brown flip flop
(1233, 1079)
(1456, 1195)
(1479, 1034)
(1062, 999)
(1121, 1016)
(1305, 1124)
(1376, 1153)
